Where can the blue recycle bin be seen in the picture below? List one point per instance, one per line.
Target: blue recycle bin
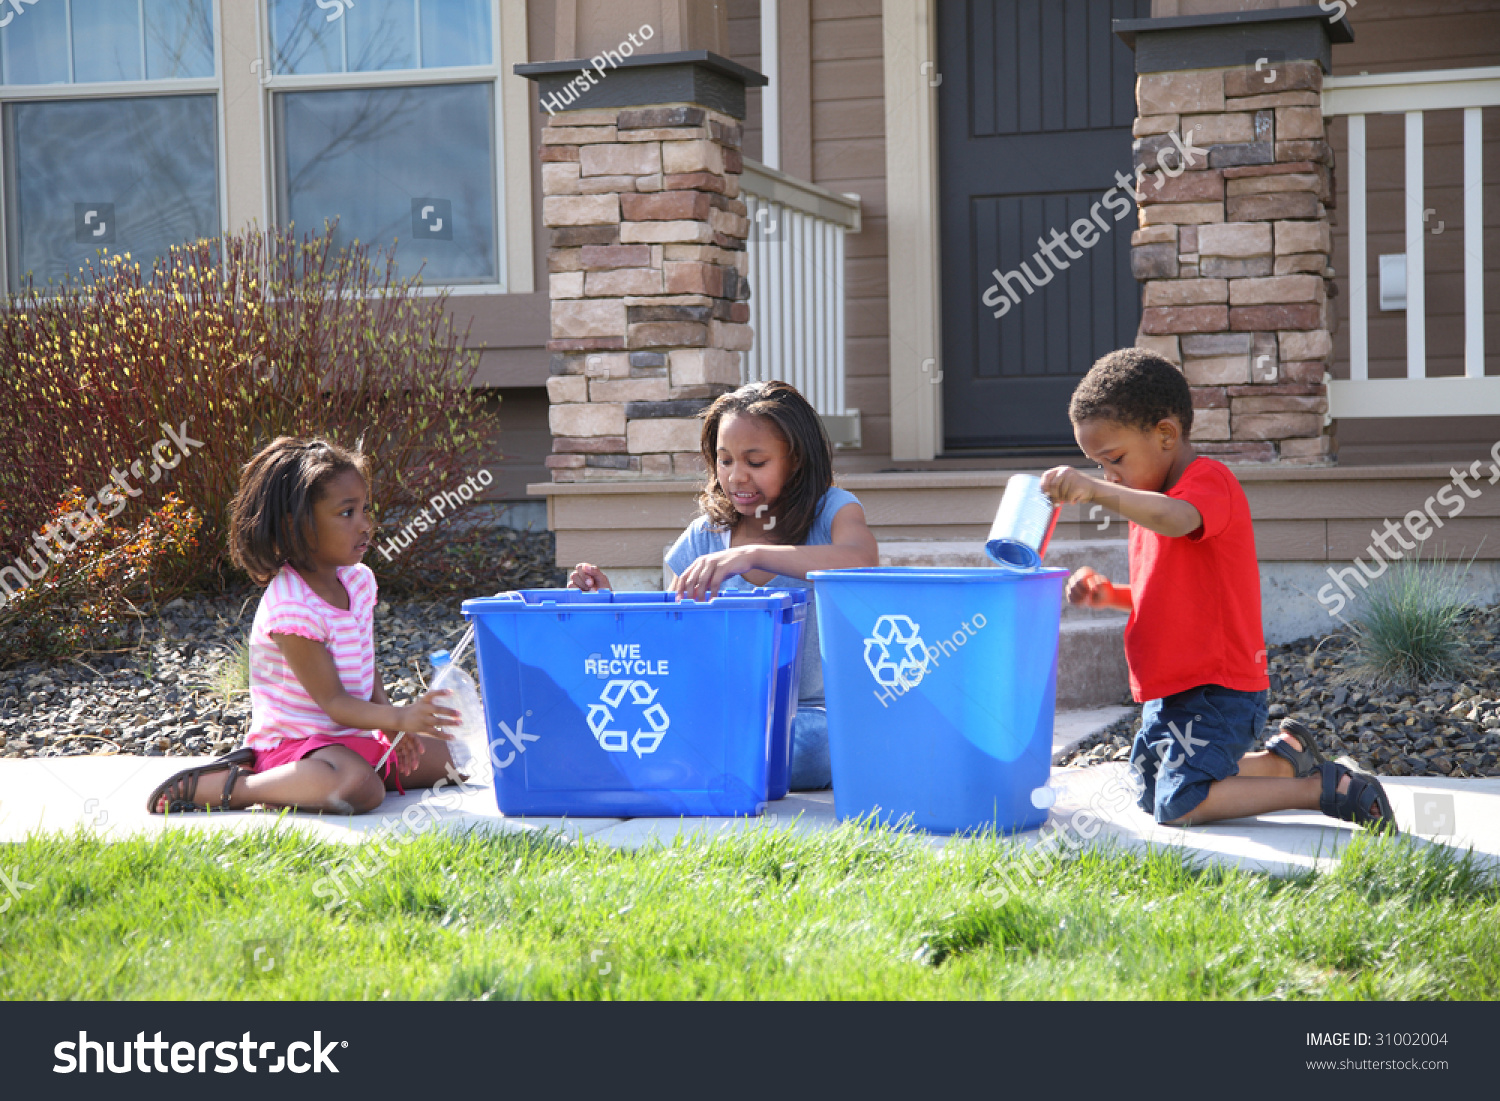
(941, 687)
(608, 704)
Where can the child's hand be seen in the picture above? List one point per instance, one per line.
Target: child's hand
(409, 751)
(1067, 485)
(589, 578)
(1090, 588)
(427, 716)
(706, 576)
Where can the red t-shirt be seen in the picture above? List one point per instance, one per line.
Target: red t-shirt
(1196, 616)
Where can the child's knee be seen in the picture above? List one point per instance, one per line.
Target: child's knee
(359, 794)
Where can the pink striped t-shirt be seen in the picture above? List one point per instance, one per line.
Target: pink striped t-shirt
(280, 707)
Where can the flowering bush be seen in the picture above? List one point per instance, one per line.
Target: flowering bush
(234, 341)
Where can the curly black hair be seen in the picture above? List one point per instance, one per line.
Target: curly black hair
(1133, 387)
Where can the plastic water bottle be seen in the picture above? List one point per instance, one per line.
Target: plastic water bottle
(470, 747)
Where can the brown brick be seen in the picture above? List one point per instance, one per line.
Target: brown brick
(620, 282)
(694, 278)
(1228, 156)
(687, 463)
(1279, 403)
(604, 116)
(1291, 76)
(1186, 292)
(1163, 345)
(1307, 448)
(1315, 262)
(1187, 240)
(1316, 344)
(730, 134)
(734, 161)
(707, 366)
(653, 118)
(580, 210)
(1308, 371)
(1154, 262)
(1186, 319)
(586, 318)
(560, 179)
(606, 185)
(1266, 208)
(700, 181)
(554, 462)
(1220, 128)
(586, 344)
(666, 434)
(1276, 99)
(1190, 187)
(578, 236)
(587, 419)
(1179, 92)
(690, 232)
(1262, 318)
(1216, 370)
(1271, 185)
(565, 284)
(668, 334)
(1303, 237)
(656, 465)
(1319, 151)
(731, 336)
(1210, 397)
(591, 445)
(577, 135)
(1242, 452)
(629, 390)
(666, 206)
(1223, 268)
(1299, 124)
(1154, 235)
(562, 388)
(1251, 171)
(564, 259)
(1234, 239)
(1277, 288)
(559, 154)
(1278, 389)
(1210, 424)
(605, 257)
(621, 159)
(1276, 426)
(685, 157)
(1147, 125)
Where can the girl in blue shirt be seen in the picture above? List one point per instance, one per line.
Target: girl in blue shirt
(770, 515)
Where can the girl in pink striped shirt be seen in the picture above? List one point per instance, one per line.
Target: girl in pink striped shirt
(300, 525)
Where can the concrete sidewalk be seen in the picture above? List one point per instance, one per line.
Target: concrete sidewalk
(106, 795)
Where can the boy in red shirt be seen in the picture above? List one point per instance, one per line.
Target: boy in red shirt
(1194, 640)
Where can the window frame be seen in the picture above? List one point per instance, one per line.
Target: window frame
(119, 89)
(505, 280)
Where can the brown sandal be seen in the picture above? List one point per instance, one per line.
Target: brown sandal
(184, 785)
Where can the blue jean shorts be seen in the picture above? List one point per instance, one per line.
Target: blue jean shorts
(1190, 739)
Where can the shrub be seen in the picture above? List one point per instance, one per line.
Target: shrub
(1410, 628)
(78, 604)
(232, 341)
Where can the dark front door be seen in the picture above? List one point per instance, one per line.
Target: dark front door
(1034, 116)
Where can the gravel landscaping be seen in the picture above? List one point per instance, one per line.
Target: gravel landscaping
(166, 696)
(1441, 729)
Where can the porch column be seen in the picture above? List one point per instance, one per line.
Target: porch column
(647, 261)
(1235, 182)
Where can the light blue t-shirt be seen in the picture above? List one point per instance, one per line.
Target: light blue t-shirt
(700, 539)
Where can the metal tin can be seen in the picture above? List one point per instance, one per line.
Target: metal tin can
(1023, 524)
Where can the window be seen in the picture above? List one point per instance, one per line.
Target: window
(110, 131)
(385, 118)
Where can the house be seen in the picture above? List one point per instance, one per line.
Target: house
(639, 203)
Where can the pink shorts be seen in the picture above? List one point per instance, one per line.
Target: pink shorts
(294, 749)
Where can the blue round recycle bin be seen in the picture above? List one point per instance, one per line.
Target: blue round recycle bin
(941, 685)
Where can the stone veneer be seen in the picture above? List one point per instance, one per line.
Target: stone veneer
(648, 285)
(1234, 254)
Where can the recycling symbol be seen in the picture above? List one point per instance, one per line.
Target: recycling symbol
(602, 716)
(896, 653)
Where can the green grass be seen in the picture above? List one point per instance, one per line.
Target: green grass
(1410, 627)
(854, 913)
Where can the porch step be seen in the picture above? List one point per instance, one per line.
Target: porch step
(1091, 668)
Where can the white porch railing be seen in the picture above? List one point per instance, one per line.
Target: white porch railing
(1411, 94)
(796, 253)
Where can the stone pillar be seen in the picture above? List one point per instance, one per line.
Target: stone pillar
(1234, 245)
(647, 266)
